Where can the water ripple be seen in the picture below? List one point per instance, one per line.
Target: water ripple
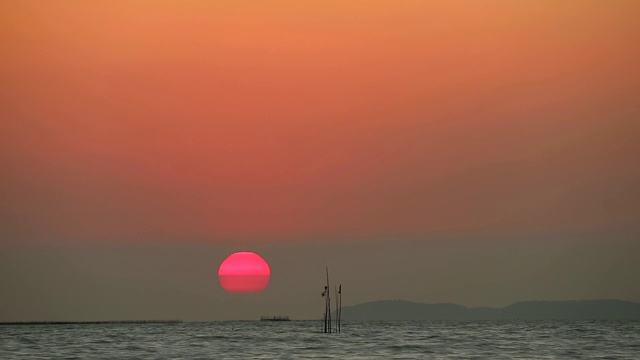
(303, 339)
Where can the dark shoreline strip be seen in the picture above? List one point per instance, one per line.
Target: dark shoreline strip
(90, 322)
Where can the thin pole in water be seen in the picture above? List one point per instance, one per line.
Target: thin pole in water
(335, 291)
(339, 309)
(324, 295)
(328, 309)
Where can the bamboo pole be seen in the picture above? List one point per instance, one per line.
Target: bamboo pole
(325, 308)
(339, 310)
(328, 303)
(335, 292)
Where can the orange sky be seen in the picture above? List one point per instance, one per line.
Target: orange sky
(197, 120)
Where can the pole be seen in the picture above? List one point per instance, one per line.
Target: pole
(339, 310)
(328, 302)
(335, 291)
(324, 294)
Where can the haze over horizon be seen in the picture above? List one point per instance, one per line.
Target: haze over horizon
(479, 153)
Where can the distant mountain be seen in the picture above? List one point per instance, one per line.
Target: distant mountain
(527, 310)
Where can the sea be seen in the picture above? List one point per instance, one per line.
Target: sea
(306, 340)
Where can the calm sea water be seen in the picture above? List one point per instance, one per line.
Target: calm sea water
(303, 339)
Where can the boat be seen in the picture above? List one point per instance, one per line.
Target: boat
(275, 318)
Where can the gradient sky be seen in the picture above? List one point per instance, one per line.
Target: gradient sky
(478, 152)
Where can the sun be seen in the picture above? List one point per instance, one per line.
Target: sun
(244, 272)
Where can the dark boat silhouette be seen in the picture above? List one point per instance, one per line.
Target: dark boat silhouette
(275, 318)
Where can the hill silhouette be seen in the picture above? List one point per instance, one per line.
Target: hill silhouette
(526, 310)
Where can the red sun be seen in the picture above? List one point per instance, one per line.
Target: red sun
(244, 272)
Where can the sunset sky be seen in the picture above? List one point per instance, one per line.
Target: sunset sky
(476, 152)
